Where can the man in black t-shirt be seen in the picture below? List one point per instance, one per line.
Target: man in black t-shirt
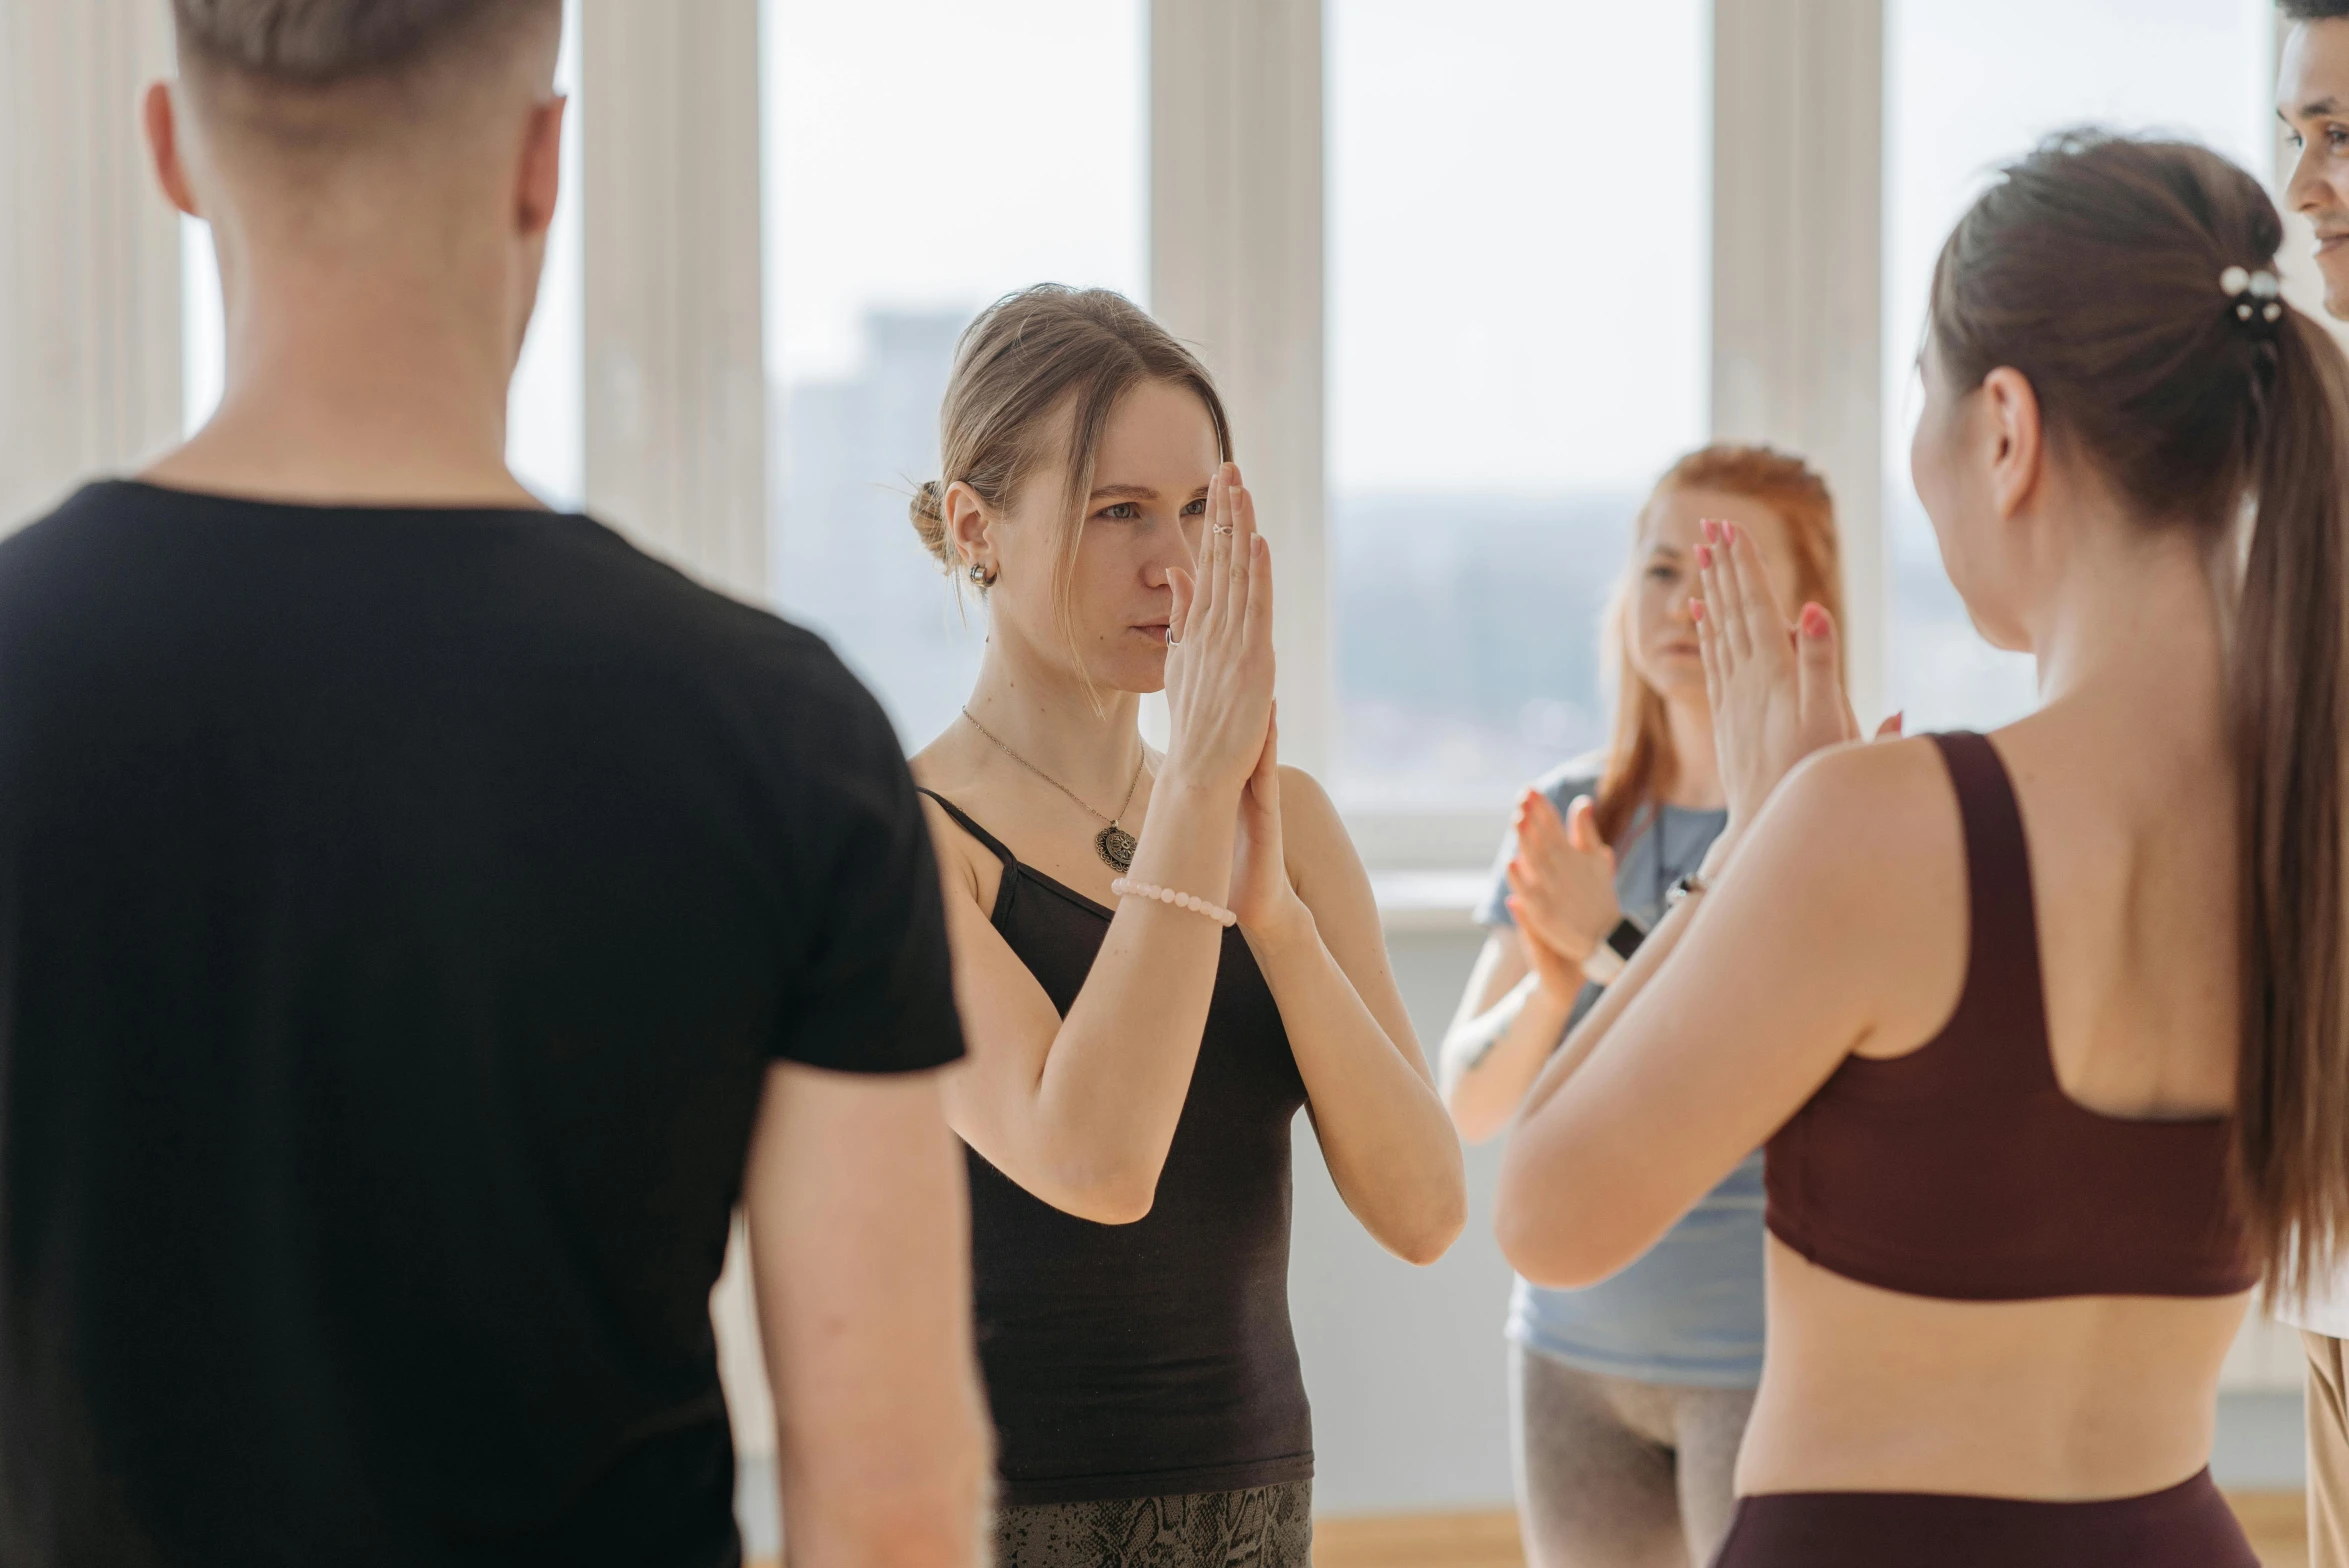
(423, 917)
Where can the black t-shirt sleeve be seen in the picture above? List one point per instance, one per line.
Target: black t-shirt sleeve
(872, 989)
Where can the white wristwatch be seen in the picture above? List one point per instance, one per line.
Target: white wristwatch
(1608, 959)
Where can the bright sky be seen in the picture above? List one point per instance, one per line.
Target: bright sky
(1970, 84)
(942, 153)
(1519, 278)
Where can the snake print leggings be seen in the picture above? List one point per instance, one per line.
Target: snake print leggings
(1263, 1527)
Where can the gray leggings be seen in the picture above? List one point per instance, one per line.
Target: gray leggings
(1617, 1474)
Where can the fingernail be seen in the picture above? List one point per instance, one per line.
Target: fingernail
(1704, 555)
(1814, 621)
(1696, 609)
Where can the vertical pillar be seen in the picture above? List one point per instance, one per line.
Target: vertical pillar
(1236, 271)
(89, 250)
(675, 394)
(675, 376)
(1798, 180)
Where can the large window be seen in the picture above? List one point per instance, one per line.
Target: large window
(1966, 87)
(924, 157)
(1518, 305)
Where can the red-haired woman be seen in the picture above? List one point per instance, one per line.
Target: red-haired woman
(1629, 1398)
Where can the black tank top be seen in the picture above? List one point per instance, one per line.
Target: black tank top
(1153, 1359)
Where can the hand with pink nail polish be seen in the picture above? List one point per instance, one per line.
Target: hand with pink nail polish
(1776, 688)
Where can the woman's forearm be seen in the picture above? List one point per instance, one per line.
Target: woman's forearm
(1390, 1147)
(1112, 1086)
(1490, 1060)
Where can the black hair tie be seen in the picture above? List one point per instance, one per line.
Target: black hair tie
(2258, 298)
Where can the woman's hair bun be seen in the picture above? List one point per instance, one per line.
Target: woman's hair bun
(928, 511)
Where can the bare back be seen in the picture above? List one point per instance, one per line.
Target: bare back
(2132, 857)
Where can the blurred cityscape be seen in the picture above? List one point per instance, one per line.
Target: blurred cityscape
(845, 559)
(1467, 624)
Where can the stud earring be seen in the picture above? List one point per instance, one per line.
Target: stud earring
(981, 576)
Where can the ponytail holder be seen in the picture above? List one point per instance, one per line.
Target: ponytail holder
(2258, 296)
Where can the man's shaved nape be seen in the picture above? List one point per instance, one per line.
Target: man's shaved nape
(324, 43)
(311, 75)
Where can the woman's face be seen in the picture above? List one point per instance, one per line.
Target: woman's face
(1663, 639)
(1143, 519)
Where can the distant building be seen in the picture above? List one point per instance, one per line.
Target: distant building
(845, 560)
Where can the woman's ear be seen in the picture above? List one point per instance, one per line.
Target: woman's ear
(161, 113)
(2016, 437)
(970, 526)
(539, 182)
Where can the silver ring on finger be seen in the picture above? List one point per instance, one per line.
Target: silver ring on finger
(1224, 529)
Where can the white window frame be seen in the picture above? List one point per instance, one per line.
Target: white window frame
(1797, 209)
(675, 422)
(674, 402)
(1236, 270)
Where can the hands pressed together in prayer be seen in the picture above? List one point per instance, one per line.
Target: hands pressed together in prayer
(1777, 693)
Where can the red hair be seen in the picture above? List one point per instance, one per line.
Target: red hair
(1640, 761)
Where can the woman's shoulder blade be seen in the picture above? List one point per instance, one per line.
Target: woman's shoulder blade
(1880, 818)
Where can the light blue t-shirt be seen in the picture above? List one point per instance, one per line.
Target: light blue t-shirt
(1689, 1312)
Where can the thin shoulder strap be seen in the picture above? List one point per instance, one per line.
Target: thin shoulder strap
(1007, 887)
(962, 819)
(2004, 991)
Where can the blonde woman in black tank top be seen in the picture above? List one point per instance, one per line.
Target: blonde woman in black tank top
(2043, 1031)
(1135, 1064)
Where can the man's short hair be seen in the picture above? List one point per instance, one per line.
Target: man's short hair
(2314, 10)
(324, 43)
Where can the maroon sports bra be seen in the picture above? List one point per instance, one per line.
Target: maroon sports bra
(1963, 1170)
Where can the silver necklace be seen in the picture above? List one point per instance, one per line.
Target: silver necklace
(1113, 843)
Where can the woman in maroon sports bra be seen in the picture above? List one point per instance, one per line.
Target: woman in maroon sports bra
(2043, 1032)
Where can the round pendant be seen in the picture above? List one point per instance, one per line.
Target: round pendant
(1116, 846)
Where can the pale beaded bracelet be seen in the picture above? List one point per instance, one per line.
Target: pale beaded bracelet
(1126, 887)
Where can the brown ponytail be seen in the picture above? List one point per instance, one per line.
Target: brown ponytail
(2292, 1092)
(2124, 280)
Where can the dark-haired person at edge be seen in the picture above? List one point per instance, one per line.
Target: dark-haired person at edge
(1160, 959)
(425, 918)
(2312, 96)
(2042, 1030)
(1628, 1400)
